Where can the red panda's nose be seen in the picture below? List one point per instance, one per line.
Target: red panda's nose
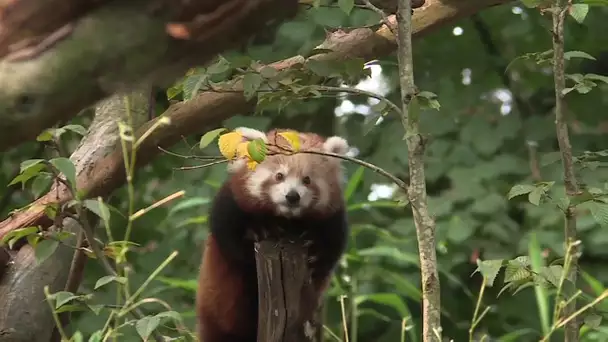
(292, 197)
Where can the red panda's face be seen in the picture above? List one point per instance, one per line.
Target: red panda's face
(293, 184)
(296, 184)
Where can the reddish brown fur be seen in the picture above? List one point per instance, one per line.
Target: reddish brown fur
(220, 295)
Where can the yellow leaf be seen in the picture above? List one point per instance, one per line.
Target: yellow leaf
(251, 164)
(293, 139)
(228, 144)
(242, 150)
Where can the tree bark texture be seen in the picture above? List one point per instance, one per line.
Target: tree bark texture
(208, 109)
(23, 280)
(285, 293)
(58, 60)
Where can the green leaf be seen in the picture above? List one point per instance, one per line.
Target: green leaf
(516, 271)
(520, 189)
(63, 297)
(459, 230)
(489, 269)
(221, 66)
(65, 166)
(208, 137)
(44, 250)
(193, 202)
(353, 182)
(577, 54)
(41, 183)
(169, 314)
(77, 337)
(107, 279)
(186, 284)
(534, 196)
(251, 83)
(146, 326)
(96, 336)
(346, 5)
(596, 77)
(45, 135)
(579, 12)
(268, 72)
(78, 129)
(13, 236)
(257, 150)
(320, 68)
(389, 299)
(98, 207)
(593, 321)
(599, 211)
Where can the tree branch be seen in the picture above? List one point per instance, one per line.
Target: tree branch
(560, 10)
(425, 224)
(208, 109)
(98, 51)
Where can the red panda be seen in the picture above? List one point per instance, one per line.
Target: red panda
(300, 191)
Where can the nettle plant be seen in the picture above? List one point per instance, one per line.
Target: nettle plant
(558, 278)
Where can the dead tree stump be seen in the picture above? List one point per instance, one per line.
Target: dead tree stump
(285, 293)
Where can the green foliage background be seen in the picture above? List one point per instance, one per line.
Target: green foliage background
(474, 157)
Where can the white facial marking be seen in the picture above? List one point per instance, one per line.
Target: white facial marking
(235, 165)
(256, 179)
(336, 145)
(251, 134)
(323, 196)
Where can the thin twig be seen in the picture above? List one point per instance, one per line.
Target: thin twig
(425, 224)
(383, 15)
(361, 92)
(560, 9)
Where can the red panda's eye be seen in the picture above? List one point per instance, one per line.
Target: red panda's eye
(279, 176)
(306, 180)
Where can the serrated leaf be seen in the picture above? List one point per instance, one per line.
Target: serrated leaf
(346, 5)
(44, 250)
(208, 137)
(107, 279)
(228, 144)
(599, 211)
(520, 189)
(516, 271)
(63, 297)
(257, 150)
(489, 269)
(293, 138)
(146, 326)
(67, 168)
(27, 174)
(552, 274)
(221, 66)
(251, 84)
(577, 54)
(98, 207)
(579, 12)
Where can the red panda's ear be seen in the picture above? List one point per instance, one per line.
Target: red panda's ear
(336, 145)
(251, 133)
